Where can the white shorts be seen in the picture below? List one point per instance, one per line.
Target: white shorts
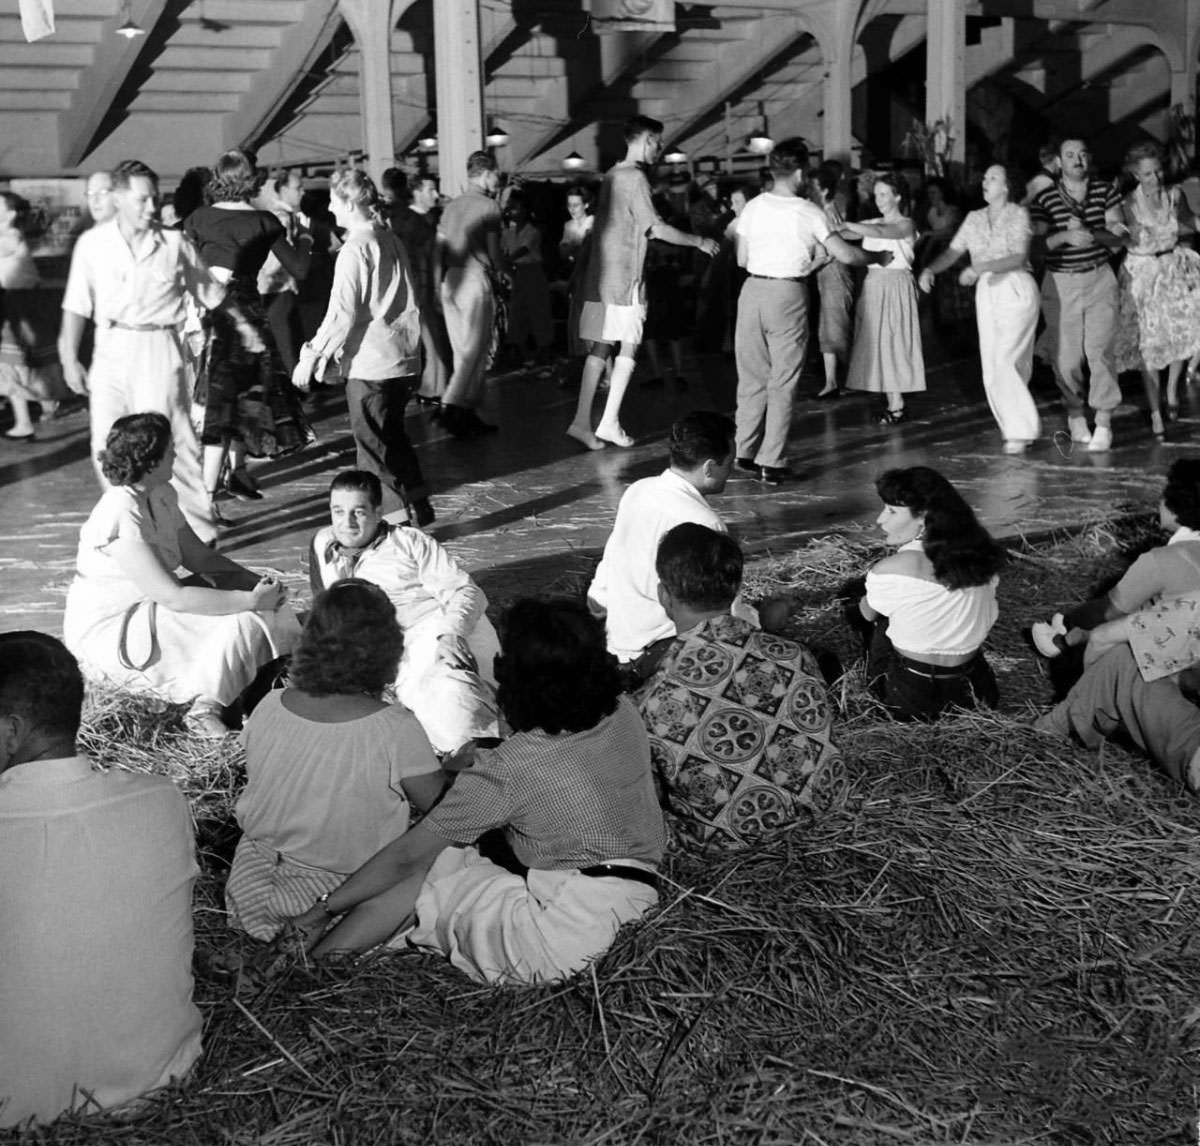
(600, 322)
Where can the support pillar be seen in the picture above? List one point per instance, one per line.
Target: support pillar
(837, 134)
(371, 24)
(458, 68)
(945, 70)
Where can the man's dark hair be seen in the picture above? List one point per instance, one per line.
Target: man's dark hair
(129, 169)
(362, 481)
(638, 125)
(698, 436)
(1182, 493)
(699, 566)
(40, 681)
(1073, 139)
(789, 156)
(555, 672)
(480, 161)
(394, 181)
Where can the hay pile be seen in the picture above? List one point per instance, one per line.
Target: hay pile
(997, 941)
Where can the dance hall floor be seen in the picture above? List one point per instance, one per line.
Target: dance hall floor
(526, 510)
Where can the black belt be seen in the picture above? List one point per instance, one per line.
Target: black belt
(622, 871)
(936, 672)
(781, 278)
(1076, 270)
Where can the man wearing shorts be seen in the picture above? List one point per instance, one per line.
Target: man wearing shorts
(614, 301)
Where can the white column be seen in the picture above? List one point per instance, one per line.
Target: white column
(458, 69)
(371, 23)
(945, 70)
(836, 132)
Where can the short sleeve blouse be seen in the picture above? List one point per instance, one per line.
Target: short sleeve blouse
(1009, 235)
(329, 795)
(127, 512)
(902, 250)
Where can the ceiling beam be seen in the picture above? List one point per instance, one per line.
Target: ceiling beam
(99, 85)
(299, 49)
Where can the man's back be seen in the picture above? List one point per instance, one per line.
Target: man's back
(96, 874)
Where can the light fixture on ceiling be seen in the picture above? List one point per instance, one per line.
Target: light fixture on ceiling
(495, 136)
(130, 29)
(574, 162)
(428, 141)
(759, 140)
(675, 155)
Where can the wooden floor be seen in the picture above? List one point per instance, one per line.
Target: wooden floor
(528, 510)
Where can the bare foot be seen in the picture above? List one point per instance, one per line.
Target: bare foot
(614, 434)
(584, 437)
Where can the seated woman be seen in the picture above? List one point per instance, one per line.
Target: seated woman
(572, 791)
(331, 770)
(132, 621)
(1168, 571)
(932, 603)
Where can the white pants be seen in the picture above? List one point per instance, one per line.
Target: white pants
(452, 705)
(1006, 309)
(499, 927)
(136, 372)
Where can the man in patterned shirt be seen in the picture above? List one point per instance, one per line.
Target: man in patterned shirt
(739, 721)
(1077, 217)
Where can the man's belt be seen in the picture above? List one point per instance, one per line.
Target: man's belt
(621, 871)
(138, 327)
(781, 278)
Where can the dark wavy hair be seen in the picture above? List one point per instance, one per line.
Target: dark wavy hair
(962, 552)
(40, 680)
(24, 220)
(699, 436)
(351, 643)
(1181, 495)
(134, 446)
(555, 672)
(699, 566)
(898, 184)
(192, 191)
(234, 178)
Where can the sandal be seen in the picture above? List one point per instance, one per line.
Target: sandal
(891, 417)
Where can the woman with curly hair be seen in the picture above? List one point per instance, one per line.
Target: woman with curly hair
(130, 620)
(931, 604)
(1158, 323)
(886, 357)
(333, 772)
(571, 790)
(249, 407)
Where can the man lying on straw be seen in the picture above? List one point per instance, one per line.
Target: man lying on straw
(571, 791)
(740, 724)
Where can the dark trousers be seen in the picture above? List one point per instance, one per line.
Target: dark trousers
(384, 448)
(913, 690)
(281, 318)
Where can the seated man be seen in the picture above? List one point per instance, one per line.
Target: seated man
(1142, 679)
(1167, 571)
(740, 724)
(96, 873)
(446, 678)
(624, 590)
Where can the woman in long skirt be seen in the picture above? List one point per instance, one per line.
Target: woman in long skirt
(887, 357)
(1006, 304)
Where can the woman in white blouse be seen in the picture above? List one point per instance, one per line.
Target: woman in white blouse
(1006, 304)
(932, 603)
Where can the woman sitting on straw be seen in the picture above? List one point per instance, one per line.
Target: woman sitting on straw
(930, 606)
(130, 620)
(331, 770)
(572, 791)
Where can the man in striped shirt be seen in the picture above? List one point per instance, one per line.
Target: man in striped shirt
(1079, 219)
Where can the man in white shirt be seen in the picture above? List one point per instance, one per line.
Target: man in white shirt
(625, 588)
(131, 278)
(96, 874)
(446, 677)
(781, 239)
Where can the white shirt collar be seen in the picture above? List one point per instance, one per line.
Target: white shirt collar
(1184, 533)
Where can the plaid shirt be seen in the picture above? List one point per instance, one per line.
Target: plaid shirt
(564, 801)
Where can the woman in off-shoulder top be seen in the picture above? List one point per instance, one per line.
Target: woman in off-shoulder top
(929, 607)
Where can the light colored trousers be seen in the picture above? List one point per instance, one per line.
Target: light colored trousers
(469, 310)
(770, 342)
(139, 371)
(1111, 695)
(1081, 318)
(1006, 309)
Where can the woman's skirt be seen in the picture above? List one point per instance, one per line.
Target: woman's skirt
(887, 351)
(1158, 321)
(29, 366)
(246, 395)
(835, 289)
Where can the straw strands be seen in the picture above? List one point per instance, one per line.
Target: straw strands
(995, 941)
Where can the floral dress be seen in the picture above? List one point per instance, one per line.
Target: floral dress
(1159, 317)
